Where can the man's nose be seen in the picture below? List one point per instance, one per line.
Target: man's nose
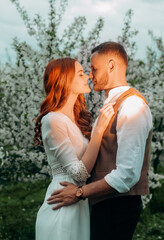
(90, 74)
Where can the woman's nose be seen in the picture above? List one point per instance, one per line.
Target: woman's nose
(87, 77)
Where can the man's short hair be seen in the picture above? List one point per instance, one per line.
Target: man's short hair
(111, 47)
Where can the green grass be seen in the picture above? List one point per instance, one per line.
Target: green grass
(19, 204)
(150, 226)
(18, 207)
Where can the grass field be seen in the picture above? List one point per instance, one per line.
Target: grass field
(19, 204)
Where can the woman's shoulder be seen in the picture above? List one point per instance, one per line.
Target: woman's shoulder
(53, 117)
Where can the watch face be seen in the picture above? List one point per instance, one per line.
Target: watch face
(79, 192)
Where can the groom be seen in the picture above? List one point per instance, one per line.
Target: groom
(120, 175)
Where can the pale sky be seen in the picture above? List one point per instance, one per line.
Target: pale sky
(148, 15)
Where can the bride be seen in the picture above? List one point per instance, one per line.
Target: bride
(64, 128)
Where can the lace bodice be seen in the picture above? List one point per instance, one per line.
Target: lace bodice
(64, 145)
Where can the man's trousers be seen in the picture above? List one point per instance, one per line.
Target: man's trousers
(115, 218)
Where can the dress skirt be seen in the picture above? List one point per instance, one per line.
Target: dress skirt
(67, 223)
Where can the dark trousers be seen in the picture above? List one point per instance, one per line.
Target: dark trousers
(115, 218)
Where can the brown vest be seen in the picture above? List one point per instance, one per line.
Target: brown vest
(106, 160)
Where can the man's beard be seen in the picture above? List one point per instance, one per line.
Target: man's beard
(101, 83)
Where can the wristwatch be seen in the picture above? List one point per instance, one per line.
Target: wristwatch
(79, 193)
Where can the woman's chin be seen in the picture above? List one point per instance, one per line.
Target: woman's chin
(88, 91)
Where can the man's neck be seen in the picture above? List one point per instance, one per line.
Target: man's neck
(109, 89)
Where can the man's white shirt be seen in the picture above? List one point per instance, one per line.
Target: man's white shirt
(134, 122)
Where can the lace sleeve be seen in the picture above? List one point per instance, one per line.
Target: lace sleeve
(78, 171)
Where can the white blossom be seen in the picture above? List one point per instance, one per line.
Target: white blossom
(21, 89)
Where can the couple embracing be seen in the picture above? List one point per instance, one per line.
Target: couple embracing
(112, 156)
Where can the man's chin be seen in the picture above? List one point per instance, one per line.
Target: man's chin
(96, 88)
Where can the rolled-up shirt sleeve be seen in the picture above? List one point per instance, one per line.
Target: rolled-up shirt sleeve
(134, 122)
(59, 145)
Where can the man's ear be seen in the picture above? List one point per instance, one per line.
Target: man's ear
(111, 65)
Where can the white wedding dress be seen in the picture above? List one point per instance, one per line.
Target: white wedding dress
(64, 145)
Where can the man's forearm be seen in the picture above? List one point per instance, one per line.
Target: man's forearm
(96, 189)
(67, 195)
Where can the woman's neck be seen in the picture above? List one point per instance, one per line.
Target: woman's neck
(68, 108)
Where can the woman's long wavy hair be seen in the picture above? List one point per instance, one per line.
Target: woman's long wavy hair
(57, 79)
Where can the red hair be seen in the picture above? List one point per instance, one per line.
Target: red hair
(58, 76)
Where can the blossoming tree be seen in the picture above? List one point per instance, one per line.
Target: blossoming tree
(21, 90)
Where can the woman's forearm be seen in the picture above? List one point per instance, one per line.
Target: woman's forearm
(90, 155)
